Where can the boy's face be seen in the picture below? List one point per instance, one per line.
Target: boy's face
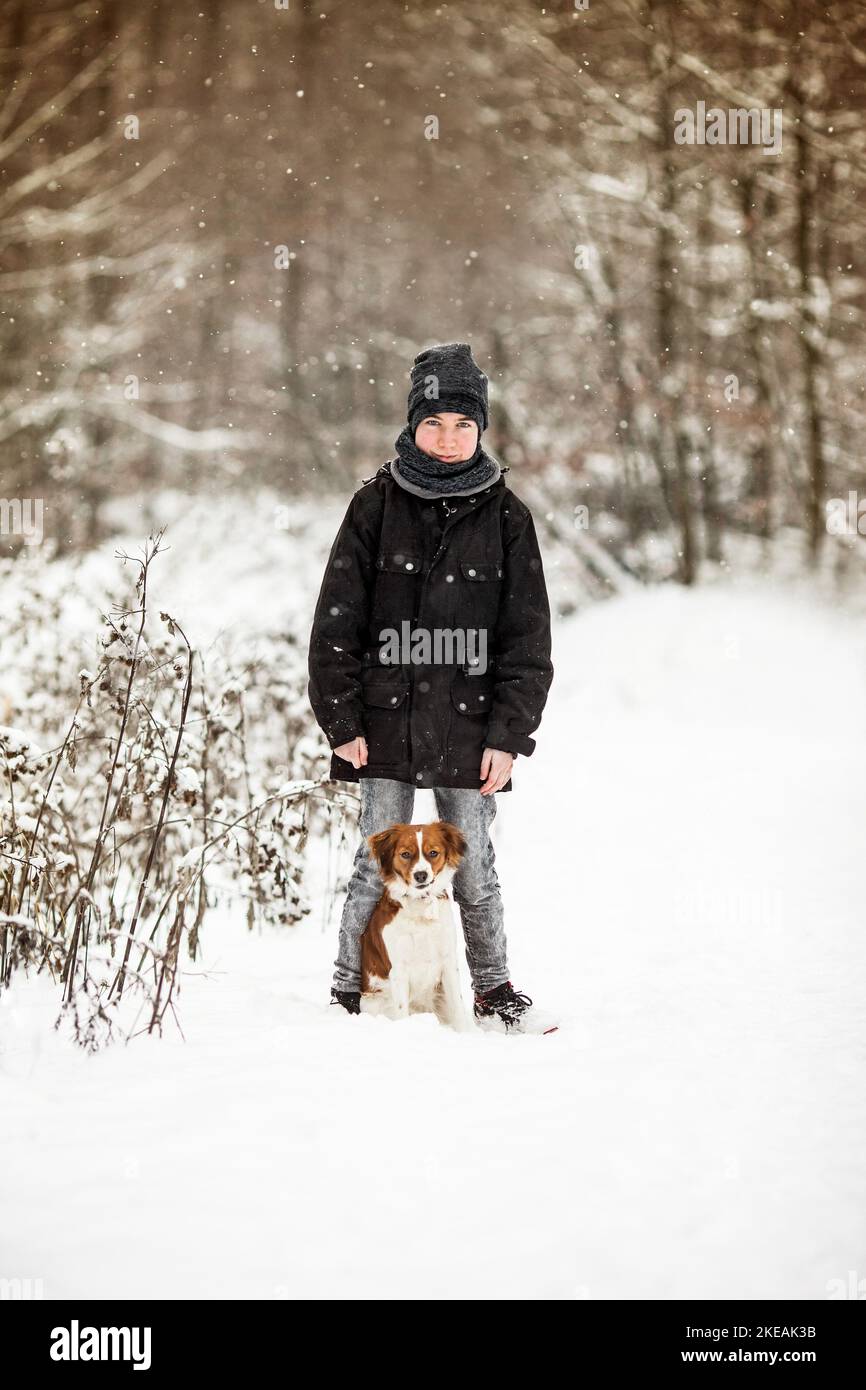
(449, 437)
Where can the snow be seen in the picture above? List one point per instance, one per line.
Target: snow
(680, 862)
(16, 741)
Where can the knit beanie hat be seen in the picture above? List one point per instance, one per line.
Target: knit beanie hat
(447, 377)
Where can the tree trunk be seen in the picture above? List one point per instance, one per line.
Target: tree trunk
(809, 329)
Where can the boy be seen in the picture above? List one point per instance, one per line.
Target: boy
(435, 539)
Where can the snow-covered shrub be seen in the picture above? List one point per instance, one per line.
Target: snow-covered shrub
(129, 814)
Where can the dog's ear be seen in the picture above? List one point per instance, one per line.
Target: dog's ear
(455, 842)
(382, 846)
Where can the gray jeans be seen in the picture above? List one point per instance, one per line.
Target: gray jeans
(385, 802)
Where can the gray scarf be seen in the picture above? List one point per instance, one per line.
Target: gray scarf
(428, 477)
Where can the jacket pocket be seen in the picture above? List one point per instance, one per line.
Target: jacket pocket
(471, 701)
(481, 571)
(386, 716)
(399, 562)
(472, 696)
(482, 585)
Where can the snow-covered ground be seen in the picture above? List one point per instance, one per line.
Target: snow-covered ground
(681, 862)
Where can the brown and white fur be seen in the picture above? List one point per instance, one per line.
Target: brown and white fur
(409, 947)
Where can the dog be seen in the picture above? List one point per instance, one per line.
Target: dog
(408, 948)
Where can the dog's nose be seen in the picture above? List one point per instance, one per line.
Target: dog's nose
(420, 876)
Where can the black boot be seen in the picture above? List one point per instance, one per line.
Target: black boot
(505, 1010)
(350, 1000)
(503, 1001)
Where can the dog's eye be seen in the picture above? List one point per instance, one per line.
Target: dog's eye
(405, 854)
(433, 853)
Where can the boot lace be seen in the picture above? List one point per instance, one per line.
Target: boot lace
(506, 1001)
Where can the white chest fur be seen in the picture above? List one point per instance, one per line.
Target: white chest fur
(417, 937)
(421, 945)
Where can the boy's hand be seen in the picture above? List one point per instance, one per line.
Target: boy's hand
(354, 752)
(496, 768)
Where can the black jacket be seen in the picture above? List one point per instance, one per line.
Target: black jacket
(449, 564)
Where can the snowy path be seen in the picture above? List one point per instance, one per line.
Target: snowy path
(682, 869)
